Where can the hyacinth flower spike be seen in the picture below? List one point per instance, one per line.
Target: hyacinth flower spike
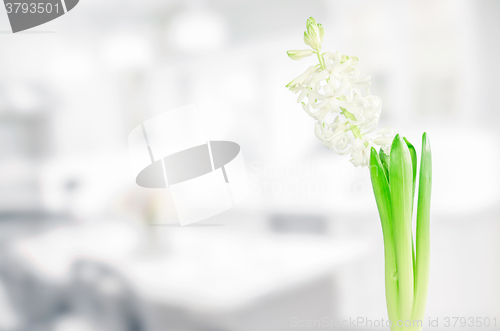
(335, 95)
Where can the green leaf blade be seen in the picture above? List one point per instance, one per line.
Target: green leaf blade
(401, 187)
(423, 230)
(383, 198)
(413, 154)
(384, 159)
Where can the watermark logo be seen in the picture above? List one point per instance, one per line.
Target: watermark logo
(381, 323)
(204, 177)
(26, 14)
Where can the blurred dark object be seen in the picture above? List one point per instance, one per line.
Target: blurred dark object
(36, 301)
(297, 223)
(104, 297)
(25, 138)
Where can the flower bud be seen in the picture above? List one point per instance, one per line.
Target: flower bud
(299, 54)
(313, 36)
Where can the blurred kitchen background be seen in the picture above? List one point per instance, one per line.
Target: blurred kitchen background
(84, 248)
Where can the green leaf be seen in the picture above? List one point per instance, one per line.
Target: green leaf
(383, 198)
(423, 230)
(401, 187)
(381, 190)
(413, 154)
(384, 158)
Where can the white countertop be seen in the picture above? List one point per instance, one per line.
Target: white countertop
(209, 268)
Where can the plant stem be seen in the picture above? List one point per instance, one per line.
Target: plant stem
(354, 128)
(320, 58)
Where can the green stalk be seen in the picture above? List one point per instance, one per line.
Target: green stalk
(320, 58)
(354, 128)
(383, 199)
(401, 181)
(423, 232)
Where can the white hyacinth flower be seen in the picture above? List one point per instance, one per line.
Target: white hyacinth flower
(338, 98)
(386, 135)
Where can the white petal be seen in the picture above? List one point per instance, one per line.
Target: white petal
(302, 95)
(387, 130)
(303, 77)
(381, 141)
